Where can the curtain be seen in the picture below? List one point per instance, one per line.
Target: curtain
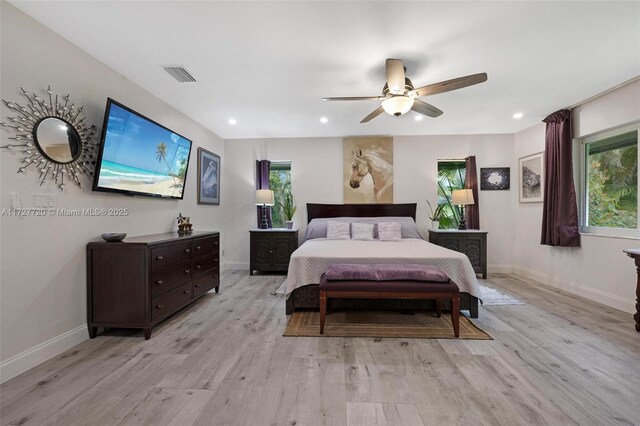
(262, 182)
(472, 211)
(560, 210)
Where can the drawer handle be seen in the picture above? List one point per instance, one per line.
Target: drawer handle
(159, 306)
(216, 243)
(186, 292)
(187, 250)
(198, 267)
(197, 285)
(159, 257)
(198, 247)
(187, 271)
(159, 282)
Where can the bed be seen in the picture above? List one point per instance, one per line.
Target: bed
(312, 258)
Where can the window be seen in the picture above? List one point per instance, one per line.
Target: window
(610, 182)
(451, 174)
(280, 183)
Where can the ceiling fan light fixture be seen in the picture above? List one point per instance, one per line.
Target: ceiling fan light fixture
(397, 105)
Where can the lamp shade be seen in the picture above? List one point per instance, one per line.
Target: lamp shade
(264, 197)
(397, 105)
(462, 197)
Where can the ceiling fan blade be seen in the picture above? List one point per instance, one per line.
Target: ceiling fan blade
(449, 85)
(373, 115)
(395, 76)
(425, 108)
(355, 98)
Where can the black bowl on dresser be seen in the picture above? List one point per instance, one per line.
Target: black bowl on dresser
(140, 281)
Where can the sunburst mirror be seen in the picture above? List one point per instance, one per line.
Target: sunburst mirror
(54, 138)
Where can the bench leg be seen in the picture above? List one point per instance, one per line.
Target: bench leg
(323, 309)
(438, 307)
(455, 314)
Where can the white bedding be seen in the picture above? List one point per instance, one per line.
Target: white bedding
(313, 257)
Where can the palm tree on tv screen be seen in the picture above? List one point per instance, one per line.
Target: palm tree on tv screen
(161, 155)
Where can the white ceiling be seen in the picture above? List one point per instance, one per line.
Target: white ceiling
(267, 64)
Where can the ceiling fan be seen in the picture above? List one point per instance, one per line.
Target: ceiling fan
(399, 95)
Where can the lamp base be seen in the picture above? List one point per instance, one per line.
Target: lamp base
(463, 223)
(264, 224)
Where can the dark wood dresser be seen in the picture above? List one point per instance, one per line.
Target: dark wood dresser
(140, 281)
(635, 255)
(472, 242)
(271, 249)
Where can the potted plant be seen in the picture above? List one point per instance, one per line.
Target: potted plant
(288, 208)
(435, 215)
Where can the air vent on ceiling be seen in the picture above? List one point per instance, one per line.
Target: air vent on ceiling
(180, 74)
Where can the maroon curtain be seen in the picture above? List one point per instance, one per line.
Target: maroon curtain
(560, 210)
(472, 212)
(262, 182)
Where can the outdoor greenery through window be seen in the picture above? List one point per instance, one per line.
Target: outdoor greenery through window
(612, 181)
(280, 183)
(451, 176)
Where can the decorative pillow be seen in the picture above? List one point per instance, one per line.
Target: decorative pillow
(338, 231)
(362, 231)
(317, 228)
(389, 231)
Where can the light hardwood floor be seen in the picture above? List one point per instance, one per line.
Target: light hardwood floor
(556, 360)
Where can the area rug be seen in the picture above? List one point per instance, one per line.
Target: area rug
(493, 297)
(421, 325)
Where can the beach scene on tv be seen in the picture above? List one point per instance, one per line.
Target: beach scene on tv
(140, 156)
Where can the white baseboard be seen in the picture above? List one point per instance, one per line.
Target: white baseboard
(28, 359)
(499, 269)
(611, 300)
(235, 266)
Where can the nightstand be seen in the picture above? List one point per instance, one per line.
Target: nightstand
(472, 242)
(270, 249)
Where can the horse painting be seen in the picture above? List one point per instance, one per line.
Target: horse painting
(368, 170)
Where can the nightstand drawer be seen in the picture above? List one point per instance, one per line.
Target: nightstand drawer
(168, 255)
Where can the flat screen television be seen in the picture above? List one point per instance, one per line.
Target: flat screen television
(139, 156)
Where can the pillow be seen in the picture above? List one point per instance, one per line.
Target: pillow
(338, 231)
(362, 231)
(389, 231)
(317, 228)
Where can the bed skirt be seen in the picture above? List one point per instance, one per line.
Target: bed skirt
(308, 297)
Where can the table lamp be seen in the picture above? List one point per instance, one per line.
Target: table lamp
(462, 197)
(264, 198)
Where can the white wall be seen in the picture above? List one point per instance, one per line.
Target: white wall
(317, 178)
(43, 297)
(599, 270)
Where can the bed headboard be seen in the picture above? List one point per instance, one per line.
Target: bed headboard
(317, 211)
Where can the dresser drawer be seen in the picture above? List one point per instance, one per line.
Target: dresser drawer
(170, 301)
(167, 279)
(205, 283)
(204, 264)
(205, 246)
(164, 256)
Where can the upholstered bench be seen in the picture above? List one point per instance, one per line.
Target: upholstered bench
(382, 281)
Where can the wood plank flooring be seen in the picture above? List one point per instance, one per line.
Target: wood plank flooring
(557, 360)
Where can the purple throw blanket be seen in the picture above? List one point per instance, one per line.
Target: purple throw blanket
(385, 272)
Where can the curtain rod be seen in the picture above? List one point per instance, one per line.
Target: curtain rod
(606, 92)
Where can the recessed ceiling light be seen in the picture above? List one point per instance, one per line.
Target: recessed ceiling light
(324, 120)
(418, 118)
(233, 121)
(518, 115)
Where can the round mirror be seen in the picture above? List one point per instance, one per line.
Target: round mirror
(57, 140)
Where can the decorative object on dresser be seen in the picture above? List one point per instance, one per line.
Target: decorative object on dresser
(271, 249)
(208, 177)
(472, 242)
(288, 209)
(435, 215)
(264, 198)
(54, 138)
(139, 282)
(462, 197)
(184, 225)
(495, 178)
(113, 237)
(531, 172)
(635, 255)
